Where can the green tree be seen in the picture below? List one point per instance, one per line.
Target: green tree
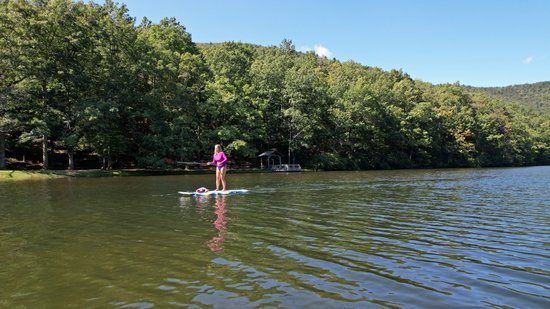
(305, 100)
(421, 127)
(108, 115)
(268, 73)
(173, 75)
(230, 115)
(457, 130)
(12, 45)
(362, 116)
(48, 51)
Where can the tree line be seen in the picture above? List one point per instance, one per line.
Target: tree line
(81, 77)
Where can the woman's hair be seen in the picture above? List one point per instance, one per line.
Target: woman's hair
(216, 147)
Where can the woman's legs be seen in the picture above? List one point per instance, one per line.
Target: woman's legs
(218, 172)
(221, 174)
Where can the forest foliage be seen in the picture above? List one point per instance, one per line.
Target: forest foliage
(81, 77)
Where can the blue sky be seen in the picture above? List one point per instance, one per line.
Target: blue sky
(474, 42)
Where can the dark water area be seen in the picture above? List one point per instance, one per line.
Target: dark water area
(410, 238)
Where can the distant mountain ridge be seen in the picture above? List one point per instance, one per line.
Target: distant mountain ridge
(534, 96)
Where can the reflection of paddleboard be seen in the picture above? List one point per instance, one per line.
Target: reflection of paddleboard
(226, 192)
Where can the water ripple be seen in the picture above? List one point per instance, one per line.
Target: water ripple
(389, 239)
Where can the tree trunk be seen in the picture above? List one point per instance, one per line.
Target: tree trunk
(289, 145)
(2, 151)
(45, 152)
(70, 152)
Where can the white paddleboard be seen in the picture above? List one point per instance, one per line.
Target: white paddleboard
(226, 192)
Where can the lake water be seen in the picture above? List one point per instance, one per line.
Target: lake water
(410, 238)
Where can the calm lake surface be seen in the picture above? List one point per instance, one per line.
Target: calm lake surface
(411, 238)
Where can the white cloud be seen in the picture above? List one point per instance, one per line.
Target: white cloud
(322, 51)
(529, 59)
(319, 50)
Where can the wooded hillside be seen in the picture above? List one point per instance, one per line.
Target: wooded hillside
(533, 96)
(80, 78)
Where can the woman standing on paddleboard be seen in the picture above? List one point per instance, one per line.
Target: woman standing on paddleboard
(220, 161)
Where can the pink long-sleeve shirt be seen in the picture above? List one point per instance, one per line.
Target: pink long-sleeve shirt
(219, 159)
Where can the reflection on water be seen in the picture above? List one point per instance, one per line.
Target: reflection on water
(216, 243)
(422, 239)
(202, 203)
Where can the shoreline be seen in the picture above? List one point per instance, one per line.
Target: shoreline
(15, 175)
